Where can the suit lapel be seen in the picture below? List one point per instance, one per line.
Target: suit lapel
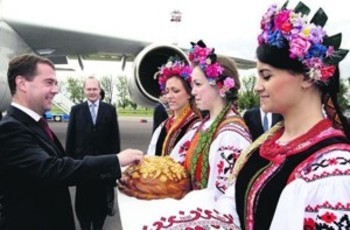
(86, 112)
(258, 121)
(100, 112)
(55, 145)
(38, 131)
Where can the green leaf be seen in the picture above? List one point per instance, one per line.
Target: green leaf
(334, 41)
(302, 8)
(336, 57)
(320, 18)
(285, 5)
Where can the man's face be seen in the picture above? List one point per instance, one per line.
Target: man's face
(92, 90)
(40, 91)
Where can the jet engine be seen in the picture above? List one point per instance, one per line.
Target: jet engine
(5, 96)
(143, 86)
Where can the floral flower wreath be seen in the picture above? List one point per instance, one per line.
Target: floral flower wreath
(206, 59)
(308, 42)
(172, 68)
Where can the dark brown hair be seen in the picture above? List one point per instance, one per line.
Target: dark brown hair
(230, 70)
(24, 65)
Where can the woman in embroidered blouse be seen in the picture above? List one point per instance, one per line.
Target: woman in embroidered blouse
(296, 176)
(174, 80)
(211, 148)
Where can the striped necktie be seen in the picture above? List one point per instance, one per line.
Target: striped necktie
(93, 112)
(265, 123)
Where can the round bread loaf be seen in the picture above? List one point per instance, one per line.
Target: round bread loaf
(155, 178)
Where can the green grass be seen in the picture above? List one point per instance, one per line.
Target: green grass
(135, 113)
(121, 112)
(55, 109)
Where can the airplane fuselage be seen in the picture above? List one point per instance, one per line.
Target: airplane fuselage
(10, 46)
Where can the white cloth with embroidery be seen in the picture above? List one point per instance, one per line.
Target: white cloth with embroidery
(318, 197)
(193, 211)
(224, 150)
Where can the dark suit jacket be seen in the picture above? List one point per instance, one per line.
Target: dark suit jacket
(85, 138)
(252, 118)
(159, 115)
(35, 175)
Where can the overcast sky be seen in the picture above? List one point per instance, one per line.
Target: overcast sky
(229, 26)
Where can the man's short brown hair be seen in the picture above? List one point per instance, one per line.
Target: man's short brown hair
(24, 65)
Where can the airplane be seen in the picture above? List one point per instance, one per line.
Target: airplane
(60, 45)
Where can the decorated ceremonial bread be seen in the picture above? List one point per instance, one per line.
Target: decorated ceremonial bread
(156, 177)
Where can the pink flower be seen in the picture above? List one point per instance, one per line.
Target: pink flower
(282, 19)
(229, 83)
(201, 53)
(170, 69)
(330, 51)
(298, 47)
(327, 72)
(191, 56)
(213, 70)
(219, 85)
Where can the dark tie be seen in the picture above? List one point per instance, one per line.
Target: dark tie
(93, 112)
(43, 123)
(265, 123)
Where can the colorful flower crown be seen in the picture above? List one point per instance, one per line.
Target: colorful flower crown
(206, 59)
(308, 42)
(173, 68)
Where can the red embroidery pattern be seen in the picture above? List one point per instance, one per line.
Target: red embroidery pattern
(335, 172)
(327, 205)
(229, 155)
(277, 153)
(328, 217)
(333, 216)
(328, 221)
(307, 169)
(184, 147)
(195, 219)
(309, 224)
(254, 192)
(232, 127)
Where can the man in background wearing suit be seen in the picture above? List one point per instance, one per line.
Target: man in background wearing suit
(93, 130)
(259, 122)
(34, 170)
(160, 113)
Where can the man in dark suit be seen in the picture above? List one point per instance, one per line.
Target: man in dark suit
(160, 113)
(93, 130)
(34, 170)
(255, 119)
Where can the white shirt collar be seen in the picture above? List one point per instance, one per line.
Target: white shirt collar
(97, 103)
(30, 112)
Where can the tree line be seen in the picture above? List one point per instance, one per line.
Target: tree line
(116, 92)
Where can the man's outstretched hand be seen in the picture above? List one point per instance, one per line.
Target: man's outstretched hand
(129, 156)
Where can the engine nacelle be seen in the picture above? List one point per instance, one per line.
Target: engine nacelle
(5, 96)
(143, 86)
(11, 45)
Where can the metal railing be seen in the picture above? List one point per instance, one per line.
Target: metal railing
(63, 102)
